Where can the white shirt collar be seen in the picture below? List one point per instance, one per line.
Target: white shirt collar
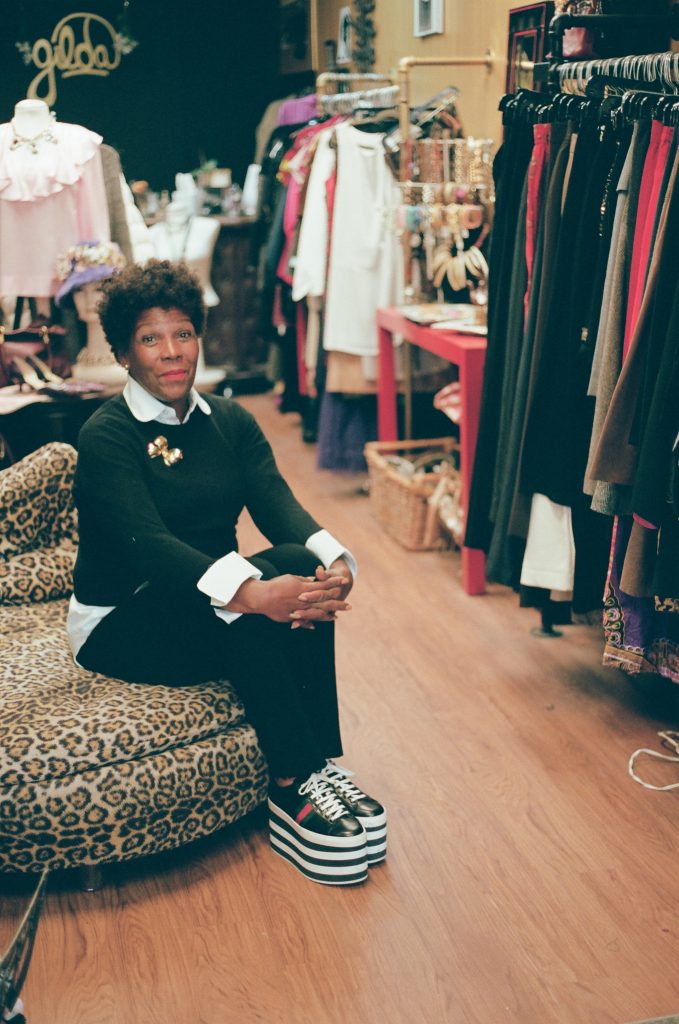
(145, 407)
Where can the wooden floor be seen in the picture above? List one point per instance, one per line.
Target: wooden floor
(529, 880)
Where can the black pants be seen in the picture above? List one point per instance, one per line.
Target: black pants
(285, 677)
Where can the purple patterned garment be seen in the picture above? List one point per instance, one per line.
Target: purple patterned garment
(639, 636)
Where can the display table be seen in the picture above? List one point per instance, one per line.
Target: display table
(468, 353)
(29, 421)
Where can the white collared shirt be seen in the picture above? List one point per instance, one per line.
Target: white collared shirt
(224, 577)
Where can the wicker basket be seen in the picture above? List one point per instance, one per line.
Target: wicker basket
(400, 500)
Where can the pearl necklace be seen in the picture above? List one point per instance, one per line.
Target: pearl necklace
(46, 135)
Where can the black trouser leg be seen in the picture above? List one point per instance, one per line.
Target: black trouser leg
(285, 677)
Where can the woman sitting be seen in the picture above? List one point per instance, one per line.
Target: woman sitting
(163, 474)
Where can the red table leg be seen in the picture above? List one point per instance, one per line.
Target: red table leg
(387, 429)
(471, 382)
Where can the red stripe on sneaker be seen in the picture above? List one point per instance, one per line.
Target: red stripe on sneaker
(301, 815)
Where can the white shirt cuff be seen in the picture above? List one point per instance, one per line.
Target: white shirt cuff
(222, 580)
(327, 550)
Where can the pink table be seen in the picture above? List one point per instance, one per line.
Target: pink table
(467, 352)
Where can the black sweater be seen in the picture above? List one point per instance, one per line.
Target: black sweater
(142, 521)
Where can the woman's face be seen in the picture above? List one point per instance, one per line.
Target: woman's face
(163, 355)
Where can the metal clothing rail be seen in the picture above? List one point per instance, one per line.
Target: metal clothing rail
(406, 65)
(346, 102)
(333, 78)
(658, 69)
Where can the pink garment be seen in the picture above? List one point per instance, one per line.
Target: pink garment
(295, 169)
(649, 197)
(536, 177)
(290, 218)
(298, 111)
(49, 200)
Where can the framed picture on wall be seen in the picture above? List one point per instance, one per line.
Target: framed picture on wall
(427, 17)
(527, 42)
(344, 36)
(295, 36)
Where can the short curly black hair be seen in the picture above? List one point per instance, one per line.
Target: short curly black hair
(139, 287)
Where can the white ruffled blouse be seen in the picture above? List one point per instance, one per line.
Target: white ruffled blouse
(49, 200)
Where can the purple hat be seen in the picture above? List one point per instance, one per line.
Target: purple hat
(87, 262)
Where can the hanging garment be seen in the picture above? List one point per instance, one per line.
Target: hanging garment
(614, 459)
(309, 273)
(509, 168)
(345, 424)
(642, 635)
(649, 194)
(117, 214)
(534, 193)
(607, 361)
(297, 110)
(366, 267)
(265, 127)
(49, 200)
(566, 419)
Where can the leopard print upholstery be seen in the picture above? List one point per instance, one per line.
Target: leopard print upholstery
(38, 526)
(94, 770)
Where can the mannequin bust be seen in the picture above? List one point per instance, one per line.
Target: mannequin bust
(31, 117)
(96, 361)
(183, 237)
(186, 238)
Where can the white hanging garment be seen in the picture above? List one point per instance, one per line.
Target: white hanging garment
(366, 268)
(549, 559)
(52, 196)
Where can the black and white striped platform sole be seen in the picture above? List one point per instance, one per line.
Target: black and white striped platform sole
(376, 833)
(330, 860)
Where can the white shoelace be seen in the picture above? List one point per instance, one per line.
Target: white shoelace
(320, 790)
(670, 739)
(339, 778)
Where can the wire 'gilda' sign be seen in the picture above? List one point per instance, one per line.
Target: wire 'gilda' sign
(81, 43)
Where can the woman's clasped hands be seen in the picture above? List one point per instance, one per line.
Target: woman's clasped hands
(300, 600)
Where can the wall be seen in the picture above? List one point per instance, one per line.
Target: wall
(470, 28)
(195, 87)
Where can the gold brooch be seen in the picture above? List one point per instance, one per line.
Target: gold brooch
(159, 447)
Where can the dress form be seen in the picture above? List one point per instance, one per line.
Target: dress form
(184, 238)
(31, 118)
(96, 361)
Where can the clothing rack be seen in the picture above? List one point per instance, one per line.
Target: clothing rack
(405, 68)
(333, 78)
(656, 69)
(362, 99)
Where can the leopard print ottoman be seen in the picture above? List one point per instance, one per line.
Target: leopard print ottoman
(92, 769)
